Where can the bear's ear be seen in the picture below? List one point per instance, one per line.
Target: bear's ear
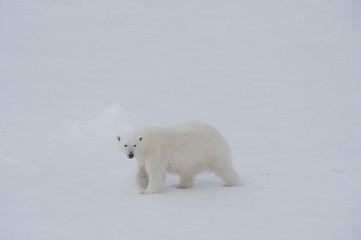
(118, 138)
(140, 139)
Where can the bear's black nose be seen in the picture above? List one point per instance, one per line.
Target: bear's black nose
(131, 155)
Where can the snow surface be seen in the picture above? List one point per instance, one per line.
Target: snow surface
(280, 79)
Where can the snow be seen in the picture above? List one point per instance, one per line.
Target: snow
(280, 80)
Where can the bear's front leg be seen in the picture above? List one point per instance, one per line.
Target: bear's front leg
(141, 176)
(186, 181)
(156, 181)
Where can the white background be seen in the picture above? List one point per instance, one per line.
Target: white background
(281, 80)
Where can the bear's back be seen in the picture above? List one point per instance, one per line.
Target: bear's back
(193, 126)
(193, 133)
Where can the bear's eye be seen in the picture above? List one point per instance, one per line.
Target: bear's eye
(125, 145)
(135, 145)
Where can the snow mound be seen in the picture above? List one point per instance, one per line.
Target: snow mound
(111, 121)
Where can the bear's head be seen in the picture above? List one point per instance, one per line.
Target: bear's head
(130, 145)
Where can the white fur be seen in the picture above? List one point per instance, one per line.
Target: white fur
(185, 149)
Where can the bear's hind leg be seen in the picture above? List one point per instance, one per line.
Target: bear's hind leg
(186, 181)
(228, 175)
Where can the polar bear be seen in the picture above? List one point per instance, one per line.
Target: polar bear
(186, 149)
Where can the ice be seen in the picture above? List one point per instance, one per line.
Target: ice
(280, 80)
